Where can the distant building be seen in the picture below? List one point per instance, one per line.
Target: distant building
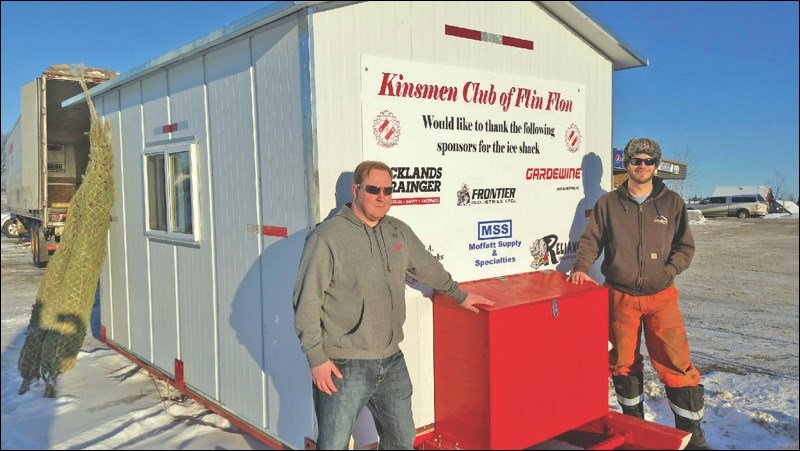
(789, 206)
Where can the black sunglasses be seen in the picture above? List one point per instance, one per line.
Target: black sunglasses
(375, 190)
(638, 161)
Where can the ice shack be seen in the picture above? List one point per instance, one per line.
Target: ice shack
(496, 120)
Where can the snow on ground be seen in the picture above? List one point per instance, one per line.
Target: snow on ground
(106, 402)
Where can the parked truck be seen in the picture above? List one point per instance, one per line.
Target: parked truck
(742, 206)
(48, 151)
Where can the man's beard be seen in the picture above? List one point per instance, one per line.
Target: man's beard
(642, 177)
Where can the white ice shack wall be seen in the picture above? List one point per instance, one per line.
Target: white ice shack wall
(279, 117)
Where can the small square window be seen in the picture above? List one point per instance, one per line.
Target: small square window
(171, 185)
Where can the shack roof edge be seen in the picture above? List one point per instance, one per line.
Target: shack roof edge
(620, 55)
(270, 13)
(568, 14)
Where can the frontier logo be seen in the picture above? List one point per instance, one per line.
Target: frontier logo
(481, 196)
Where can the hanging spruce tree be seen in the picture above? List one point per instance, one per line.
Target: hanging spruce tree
(63, 307)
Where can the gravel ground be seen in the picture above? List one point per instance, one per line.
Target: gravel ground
(740, 296)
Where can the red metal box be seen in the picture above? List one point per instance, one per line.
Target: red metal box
(533, 366)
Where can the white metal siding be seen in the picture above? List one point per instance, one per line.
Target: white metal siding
(137, 294)
(165, 340)
(283, 204)
(194, 264)
(116, 251)
(340, 37)
(234, 166)
(162, 255)
(206, 303)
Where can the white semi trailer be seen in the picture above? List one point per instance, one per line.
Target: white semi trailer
(48, 151)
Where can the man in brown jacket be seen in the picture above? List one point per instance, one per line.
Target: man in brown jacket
(643, 229)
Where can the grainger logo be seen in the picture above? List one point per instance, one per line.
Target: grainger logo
(425, 181)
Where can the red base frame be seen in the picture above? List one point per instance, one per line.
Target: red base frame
(611, 431)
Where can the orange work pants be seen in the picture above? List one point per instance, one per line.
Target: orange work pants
(664, 333)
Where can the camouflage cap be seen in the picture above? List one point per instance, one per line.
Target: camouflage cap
(642, 145)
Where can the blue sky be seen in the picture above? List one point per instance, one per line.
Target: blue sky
(720, 93)
(721, 86)
(113, 35)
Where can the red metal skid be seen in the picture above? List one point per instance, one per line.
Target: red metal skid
(627, 432)
(611, 431)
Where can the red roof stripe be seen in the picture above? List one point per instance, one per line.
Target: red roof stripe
(466, 33)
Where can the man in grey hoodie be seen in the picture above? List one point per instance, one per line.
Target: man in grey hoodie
(349, 303)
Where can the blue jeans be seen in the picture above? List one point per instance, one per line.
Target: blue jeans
(384, 387)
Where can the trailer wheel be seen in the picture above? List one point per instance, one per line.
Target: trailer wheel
(41, 255)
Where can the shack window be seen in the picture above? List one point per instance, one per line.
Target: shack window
(156, 195)
(171, 185)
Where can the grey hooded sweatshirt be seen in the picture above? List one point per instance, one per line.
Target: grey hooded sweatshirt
(349, 296)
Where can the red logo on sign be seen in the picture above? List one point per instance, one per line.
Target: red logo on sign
(572, 137)
(386, 129)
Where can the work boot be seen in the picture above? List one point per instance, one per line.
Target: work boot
(687, 405)
(630, 396)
